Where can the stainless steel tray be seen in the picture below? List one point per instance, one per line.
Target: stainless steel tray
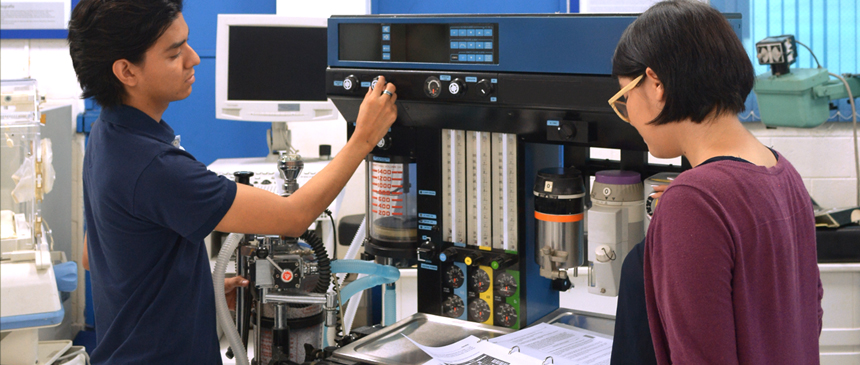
(388, 346)
(595, 322)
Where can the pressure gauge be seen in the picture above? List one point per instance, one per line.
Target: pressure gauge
(506, 315)
(479, 310)
(454, 277)
(506, 285)
(432, 87)
(453, 306)
(480, 281)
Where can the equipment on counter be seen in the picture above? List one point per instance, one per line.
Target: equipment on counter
(31, 282)
(799, 97)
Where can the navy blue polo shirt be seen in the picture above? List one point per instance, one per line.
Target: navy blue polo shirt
(148, 206)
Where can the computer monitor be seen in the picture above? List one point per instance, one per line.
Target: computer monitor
(271, 68)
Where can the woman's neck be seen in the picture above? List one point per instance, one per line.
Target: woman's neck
(723, 136)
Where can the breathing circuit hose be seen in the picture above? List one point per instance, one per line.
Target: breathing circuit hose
(223, 313)
(323, 262)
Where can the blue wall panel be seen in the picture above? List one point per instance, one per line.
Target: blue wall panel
(205, 137)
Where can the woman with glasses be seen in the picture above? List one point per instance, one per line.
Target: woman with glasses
(728, 272)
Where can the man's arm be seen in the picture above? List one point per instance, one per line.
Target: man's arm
(258, 211)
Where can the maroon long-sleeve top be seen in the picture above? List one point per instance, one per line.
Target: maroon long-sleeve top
(731, 273)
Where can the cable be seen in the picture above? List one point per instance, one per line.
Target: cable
(810, 51)
(333, 228)
(854, 118)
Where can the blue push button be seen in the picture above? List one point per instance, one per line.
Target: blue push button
(386, 37)
(443, 257)
(462, 32)
(488, 32)
(454, 32)
(492, 81)
(471, 45)
(386, 56)
(479, 33)
(479, 58)
(464, 45)
(488, 58)
(463, 57)
(488, 45)
(455, 45)
(470, 32)
(479, 45)
(471, 58)
(386, 48)
(493, 99)
(386, 29)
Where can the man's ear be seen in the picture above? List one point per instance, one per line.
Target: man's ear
(659, 91)
(126, 72)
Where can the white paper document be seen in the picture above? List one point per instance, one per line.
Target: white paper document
(566, 345)
(472, 351)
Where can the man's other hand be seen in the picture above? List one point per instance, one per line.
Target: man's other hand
(230, 286)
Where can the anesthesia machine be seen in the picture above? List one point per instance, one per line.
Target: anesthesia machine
(483, 180)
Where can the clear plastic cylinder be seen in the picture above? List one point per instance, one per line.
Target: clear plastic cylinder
(392, 198)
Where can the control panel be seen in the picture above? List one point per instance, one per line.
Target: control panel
(458, 43)
(438, 86)
(481, 286)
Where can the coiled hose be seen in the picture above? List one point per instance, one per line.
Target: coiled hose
(323, 262)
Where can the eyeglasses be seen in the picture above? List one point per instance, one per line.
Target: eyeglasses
(619, 101)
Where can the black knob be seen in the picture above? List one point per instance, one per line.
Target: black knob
(485, 88)
(457, 87)
(373, 83)
(350, 83)
(262, 252)
(561, 284)
(384, 143)
(567, 131)
(243, 177)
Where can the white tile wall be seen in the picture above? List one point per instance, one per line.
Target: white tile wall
(824, 157)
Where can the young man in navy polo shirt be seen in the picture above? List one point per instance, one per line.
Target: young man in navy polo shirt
(149, 204)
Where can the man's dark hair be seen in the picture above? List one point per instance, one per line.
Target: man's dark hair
(104, 31)
(696, 55)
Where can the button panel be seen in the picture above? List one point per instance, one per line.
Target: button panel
(474, 43)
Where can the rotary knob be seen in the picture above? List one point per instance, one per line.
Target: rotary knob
(457, 87)
(485, 88)
(350, 83)
(384, 143)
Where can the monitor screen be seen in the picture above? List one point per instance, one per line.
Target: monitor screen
(271, 68)
(276, 63)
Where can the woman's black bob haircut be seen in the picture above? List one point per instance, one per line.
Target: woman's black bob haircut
(696, 55)
(104, 31)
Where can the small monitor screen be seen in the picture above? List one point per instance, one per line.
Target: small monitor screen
(269, 63)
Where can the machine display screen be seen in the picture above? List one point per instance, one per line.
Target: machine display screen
(425, 43)
(271, 63)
